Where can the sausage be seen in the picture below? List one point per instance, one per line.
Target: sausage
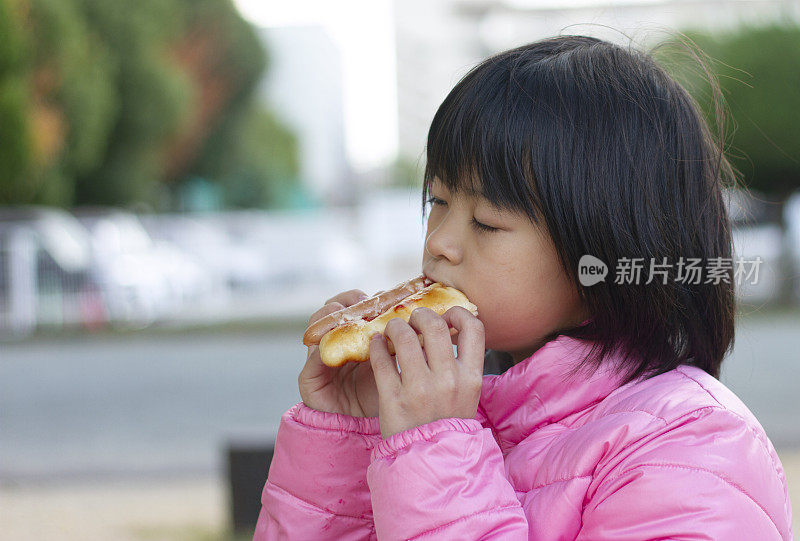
(368, 309)
(350, 342)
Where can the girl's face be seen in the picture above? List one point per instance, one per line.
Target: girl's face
(512, 274)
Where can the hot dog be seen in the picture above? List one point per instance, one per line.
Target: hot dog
(368, 309)
(349, 341)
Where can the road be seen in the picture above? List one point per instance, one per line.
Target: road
(156, 404)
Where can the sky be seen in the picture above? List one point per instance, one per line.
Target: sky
(364, 32)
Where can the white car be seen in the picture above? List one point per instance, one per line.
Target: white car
(142, 280)
(791, 217)
(758, 241)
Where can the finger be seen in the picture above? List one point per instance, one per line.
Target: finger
(471, 338)
(410, 358)
(329, 308)
(314, 371)
(436, 337)
(453, 341)
(383, 366)
(349, 298)
(314, 361)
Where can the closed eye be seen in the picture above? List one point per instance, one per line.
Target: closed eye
(475, 223)
(482, 227)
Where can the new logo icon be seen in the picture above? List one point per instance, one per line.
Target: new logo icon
(591, 270)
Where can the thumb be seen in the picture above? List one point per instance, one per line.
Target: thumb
(383, 366)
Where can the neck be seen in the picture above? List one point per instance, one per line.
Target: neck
(521, 355)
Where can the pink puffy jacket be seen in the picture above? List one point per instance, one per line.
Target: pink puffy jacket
(676, 456)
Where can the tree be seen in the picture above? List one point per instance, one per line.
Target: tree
(118, 102)
(758, 70)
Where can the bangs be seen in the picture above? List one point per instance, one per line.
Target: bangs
(479, 143)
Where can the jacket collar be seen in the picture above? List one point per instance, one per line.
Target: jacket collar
(535, 392)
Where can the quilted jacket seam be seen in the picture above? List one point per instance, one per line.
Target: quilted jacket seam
(704, 470)
(368, 518)
(559, 481)
(752, 430)
(573, 427)
(446, 524)
(687, 376)
(722, 408)
(648, 433)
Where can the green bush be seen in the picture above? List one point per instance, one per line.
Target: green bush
(98, 105)
(758, 70)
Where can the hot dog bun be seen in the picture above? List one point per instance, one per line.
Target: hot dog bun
(350, 340)
(367, 309)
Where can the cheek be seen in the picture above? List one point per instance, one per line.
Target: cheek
(554, 298)
(525, 310)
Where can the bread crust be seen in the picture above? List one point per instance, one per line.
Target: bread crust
(367, 309)
(349, 342)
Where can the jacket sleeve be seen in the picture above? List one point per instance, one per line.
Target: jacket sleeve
(674, 501)
(447, 479)
(316, 487)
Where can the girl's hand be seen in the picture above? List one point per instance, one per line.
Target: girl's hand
(349, 389)
(432, 384)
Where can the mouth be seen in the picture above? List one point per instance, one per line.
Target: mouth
(430, 280)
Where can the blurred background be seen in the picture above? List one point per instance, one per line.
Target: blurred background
(184, 182)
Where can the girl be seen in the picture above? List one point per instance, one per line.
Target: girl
(604, 418)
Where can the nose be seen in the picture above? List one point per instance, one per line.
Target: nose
(442, 242)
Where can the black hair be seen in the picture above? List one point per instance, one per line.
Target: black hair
(598, 144)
